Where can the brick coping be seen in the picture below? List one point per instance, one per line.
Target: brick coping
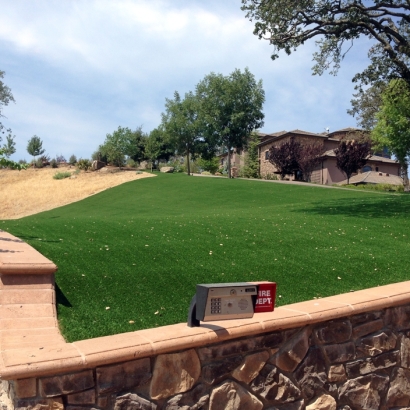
(31, 343)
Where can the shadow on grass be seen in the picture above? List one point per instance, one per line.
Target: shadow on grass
(373, 207)
(61, 298)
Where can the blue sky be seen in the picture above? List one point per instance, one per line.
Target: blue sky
(79, 69)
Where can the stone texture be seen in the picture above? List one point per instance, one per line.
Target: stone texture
(324, 402)
(405, 352)
(340, 353)
(398, 317)
(66, 384)
(84, 397)
(40, 404)
(221, 368)
(227, 349)
(25, 388)
(337, 373)
(250, 367)
(271, 340)
(232, 396)
(293, 351)
(112, 379)
(195, 399)
(373, 345)
(399, 391)
(334, 332)
(372, 364)
(311, 374)
(168, 170)
(296, 405)
(365, 317)
(132, 401)
(365, 392)
(367, 328)
(275, 386)
(174, 373)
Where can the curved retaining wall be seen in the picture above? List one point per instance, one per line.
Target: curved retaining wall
(350, 351)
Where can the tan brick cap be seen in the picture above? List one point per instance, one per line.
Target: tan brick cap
(17, 257)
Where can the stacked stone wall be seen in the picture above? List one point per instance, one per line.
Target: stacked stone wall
(355, 362)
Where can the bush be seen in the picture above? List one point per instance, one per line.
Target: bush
(45, 159)
(62, 175)
(377, 187)
(210, 165)
(205, 173)
(54, 163)
(72, 160)
(61, 159)
(38, 163)
(271, 177)
(131, 163)
(139, 172)
(84, 164)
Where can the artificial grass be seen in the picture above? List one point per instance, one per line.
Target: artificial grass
(140, 248)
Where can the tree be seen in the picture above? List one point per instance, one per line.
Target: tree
(181, 125)
(285, 157)
(153, 145)
(9, 148)
(135, 145)
(251, 168)
(231, 108)
(35, 146)
(289, 24)
(366, 104)
(310, 156)
(352, 155)
(5, 98)
(393, 124)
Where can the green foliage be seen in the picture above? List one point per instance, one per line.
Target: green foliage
(7, 163)
(5, 98)
(289, 24)
(377, 187)
(35, 146)
(54, 163)
(231, 108)
(72, 160)
(142, 247)
(62, 175)
(251, 168)
(38, 163)
(181, 125)
(208, 165)
(83, 164)
(393, 123)
(9, 148)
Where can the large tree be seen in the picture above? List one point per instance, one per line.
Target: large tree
(393, 124)
(231, 108)
(181, 125)
(351, 155)
(336, 24)
(251, 168)
(310, 156)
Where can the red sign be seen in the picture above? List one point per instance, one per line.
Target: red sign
(265, 301)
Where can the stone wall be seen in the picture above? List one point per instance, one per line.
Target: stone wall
(357, 362)
(348, 351)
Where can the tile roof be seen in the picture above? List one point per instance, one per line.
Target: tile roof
(373, 177)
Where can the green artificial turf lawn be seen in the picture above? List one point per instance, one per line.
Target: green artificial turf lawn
(141, 248)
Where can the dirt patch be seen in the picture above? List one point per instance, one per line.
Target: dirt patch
(30, 191)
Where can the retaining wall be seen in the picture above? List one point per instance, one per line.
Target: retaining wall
(350, 351)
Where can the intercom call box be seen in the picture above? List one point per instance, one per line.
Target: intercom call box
(239, 300)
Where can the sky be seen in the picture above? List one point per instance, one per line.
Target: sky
(78, 69)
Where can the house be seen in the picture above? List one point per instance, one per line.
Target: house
(326, 172)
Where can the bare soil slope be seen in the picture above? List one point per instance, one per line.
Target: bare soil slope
(35, 190)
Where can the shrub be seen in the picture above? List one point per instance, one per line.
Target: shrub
(84, 164)
(60, 159)
(271, 177)
(131, 163)
(45, 159)
(38, 163)
(139, 172)
(72, 160)
(54, 163)
(62, 175)
(205, 173)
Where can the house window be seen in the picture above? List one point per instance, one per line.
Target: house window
(377, 169)
(266, 155)
(367, 168)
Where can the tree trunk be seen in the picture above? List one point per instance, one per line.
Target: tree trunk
(229, 163)
(406, 177)
(187, 160)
